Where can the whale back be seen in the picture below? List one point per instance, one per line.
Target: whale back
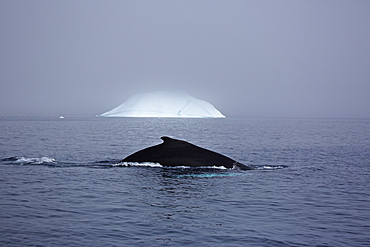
(173, 152)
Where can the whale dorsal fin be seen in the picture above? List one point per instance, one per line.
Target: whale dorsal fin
(167, 139)
(174, 142)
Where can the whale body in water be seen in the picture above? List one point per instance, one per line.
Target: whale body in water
(173, 152)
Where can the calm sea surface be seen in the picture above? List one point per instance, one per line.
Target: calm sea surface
(61, 183)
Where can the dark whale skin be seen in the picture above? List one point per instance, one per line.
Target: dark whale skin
(173, 152)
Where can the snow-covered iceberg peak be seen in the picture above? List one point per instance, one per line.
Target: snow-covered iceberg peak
(164, 104)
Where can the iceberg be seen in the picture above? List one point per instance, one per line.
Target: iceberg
(164, 104)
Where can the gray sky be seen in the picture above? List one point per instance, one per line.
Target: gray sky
(299, 58)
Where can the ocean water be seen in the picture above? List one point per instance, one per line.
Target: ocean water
(61, 183)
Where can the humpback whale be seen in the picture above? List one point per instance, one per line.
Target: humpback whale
(173, 152)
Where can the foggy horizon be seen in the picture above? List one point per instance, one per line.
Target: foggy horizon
(288, 59)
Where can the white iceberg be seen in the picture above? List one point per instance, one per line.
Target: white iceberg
(164, 104)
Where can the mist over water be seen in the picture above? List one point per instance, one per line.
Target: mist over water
(63, 184)
(306, 59)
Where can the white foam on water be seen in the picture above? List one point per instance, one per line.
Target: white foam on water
(34, 161)
(209, 175)
(268, 167)
(199, 167)
(143, 164)
(152, 164)
(214, 167)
